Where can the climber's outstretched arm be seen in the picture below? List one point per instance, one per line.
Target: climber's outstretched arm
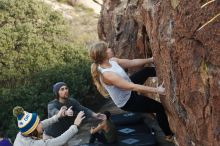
(111, 78)
(128, 63)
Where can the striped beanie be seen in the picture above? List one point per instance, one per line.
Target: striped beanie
(27, 122)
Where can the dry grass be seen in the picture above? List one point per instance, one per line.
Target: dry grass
(82, 21)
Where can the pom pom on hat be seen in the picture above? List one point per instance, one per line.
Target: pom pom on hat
(18, 111)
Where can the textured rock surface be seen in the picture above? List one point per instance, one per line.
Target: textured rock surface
(186, 49)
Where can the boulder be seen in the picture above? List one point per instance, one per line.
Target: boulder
(184, 39)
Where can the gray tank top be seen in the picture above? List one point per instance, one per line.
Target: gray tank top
(118, 95)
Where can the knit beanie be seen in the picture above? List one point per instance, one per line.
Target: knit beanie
(57, 86)
(27, 122)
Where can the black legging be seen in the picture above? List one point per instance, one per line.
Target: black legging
(140, 103)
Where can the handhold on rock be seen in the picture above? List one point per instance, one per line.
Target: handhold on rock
(175, 3)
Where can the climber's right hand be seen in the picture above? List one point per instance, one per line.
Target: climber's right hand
(161, 89)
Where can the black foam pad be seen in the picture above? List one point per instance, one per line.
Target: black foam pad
(126, 119)
(133, 129)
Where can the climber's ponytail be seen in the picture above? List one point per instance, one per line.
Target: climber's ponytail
(96, 78)
(98, 55)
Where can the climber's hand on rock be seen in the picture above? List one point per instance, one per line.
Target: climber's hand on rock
(157, 6)
(161, 89)
(151, 60)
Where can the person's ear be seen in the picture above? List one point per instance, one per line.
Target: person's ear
(40, 128)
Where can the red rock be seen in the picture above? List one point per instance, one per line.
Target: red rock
(187, 58)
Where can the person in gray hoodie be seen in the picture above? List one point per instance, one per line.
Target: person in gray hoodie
(62, 98)
(31, 128)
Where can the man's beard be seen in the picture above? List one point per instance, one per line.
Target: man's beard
(65, 97)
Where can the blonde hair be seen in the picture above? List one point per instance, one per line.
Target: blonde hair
(98, 54)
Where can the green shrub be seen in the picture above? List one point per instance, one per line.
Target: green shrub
(35, 53)
(32, 39)
(35, 95)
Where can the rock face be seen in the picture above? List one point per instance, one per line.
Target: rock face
(184, 39)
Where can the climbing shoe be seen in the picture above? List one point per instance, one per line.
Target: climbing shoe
(170, 138)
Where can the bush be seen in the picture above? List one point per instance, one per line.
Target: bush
(32, 39)
(35, 53)
(35, 95)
